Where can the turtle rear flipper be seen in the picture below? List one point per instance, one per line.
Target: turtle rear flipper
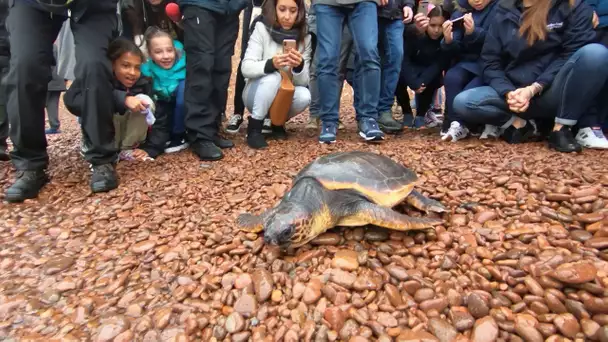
(380, 216)
(423, 203)
(250, 223)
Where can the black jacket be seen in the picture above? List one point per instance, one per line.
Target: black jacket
(394, 9)
(78, 8)
(424, 59)
(74, 101)
(510, 63)
(5, 50)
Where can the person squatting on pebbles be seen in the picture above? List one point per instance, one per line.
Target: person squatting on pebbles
(515, 70)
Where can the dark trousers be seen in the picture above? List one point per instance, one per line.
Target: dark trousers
(52, 108)
(3, 113)
(424, 100)
(239, 105)
(179, 113)
(458, 79)
(209, 40)
(403, 98)
(32, 33)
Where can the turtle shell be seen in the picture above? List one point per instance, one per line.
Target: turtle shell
(377, 177)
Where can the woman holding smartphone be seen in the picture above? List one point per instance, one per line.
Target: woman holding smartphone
(279, 42)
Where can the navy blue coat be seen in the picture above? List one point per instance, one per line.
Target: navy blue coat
(467, 48)
(601, 8)
(423, 59)
(510, 63)
(223, 7)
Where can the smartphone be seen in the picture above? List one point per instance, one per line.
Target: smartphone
(288, 44)
(423, 7)
(458, 23)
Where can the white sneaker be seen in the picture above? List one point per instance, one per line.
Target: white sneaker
(591, 138)
(490, 131)
(456, 132)
(266, 127)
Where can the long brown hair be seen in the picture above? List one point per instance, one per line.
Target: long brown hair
(269, 11)
(534, 20)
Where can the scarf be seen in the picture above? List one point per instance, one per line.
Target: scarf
(278, 34)
(165, 81)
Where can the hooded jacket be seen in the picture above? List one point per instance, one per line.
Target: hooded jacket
(601, 8)
(510, 63)
(166, 81)
(467, 48)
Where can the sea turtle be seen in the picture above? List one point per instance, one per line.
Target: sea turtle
(342, 189)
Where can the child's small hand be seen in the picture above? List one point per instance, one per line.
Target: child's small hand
(134, 104)
(595, 20)
(469, 24)
(421, 89)
(422, 22)
(448, 35)
(408, 14)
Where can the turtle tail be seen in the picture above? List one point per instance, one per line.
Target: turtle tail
(250, 223)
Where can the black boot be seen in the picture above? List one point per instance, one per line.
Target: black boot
(4, 156)
(104, 178)
(278, 132)
(27, 185)
(521, 135)
(563, 141)
(207, 151)
(255, 139)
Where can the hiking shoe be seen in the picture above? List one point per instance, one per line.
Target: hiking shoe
(490, 131)
(388, 124)
(234, 124)
(328, 133)
(27, 185)
(103, 178)
(52, 130)
(207, 151)
(176, 145)
(267, 126)
(514, 135)
(431, 119)
(408, 120)
(369, 130)
(313, 122)
(455, 132)
(592, 138)
(564, 141)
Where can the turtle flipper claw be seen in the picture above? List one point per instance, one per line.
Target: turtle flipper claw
(420, 202)
(250, 223)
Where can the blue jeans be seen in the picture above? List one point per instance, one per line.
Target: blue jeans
(574, 96)
(391, 41)
(179, 114)
(456, 80)
(362, 21)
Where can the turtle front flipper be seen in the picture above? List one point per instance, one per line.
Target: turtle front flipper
(380, 216)
(250, 223)
(423, 203)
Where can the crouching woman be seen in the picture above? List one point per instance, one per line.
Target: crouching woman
(281, 19)
(540, 63)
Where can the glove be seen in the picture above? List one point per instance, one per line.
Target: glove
(149, 112)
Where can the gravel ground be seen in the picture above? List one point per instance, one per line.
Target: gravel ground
(522, 257)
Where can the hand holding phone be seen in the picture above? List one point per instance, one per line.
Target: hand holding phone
(423, 7)
(288, 44)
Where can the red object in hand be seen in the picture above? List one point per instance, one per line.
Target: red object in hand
(173, 12)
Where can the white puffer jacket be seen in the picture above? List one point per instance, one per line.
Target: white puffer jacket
(261, 47)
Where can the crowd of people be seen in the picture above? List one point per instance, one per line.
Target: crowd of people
(517, 70)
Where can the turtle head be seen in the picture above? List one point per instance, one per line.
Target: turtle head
(287, 225)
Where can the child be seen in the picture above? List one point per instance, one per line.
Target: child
(465, 38)
(424, 60)
(167, 68)
(55, 87)
(535, 70)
